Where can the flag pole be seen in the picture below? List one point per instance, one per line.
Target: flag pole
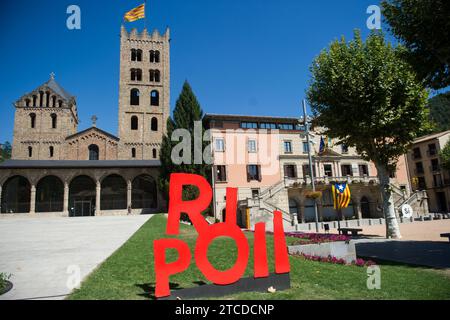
(145, 14)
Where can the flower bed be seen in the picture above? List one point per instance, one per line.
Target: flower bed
(314, 238)
(334, 260)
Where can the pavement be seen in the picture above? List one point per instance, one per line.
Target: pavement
(46, 255)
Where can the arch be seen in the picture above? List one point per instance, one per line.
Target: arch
(113, 193)
(94, 152)
(155, 76)
(47, 99)
(41, 98)
(134, 123)
(155, 153)
(54, 101)
(136, 55)
(60, 103)
(154, 98)
(34, 100)
(136, 75)
(30, 152)
(54, 120)
(33, 120)
(155, 56)
(27, 102)
(144, 193)
(16, 195)
(51, 151)
(154, 124)
(134, 97)
(82, 195)
(50, 195)
(365, 208)
(133, 153)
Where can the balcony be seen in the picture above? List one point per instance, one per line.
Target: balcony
(298, 182)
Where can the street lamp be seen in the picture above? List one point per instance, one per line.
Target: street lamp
(311, 164)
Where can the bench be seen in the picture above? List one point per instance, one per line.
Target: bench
(346, 231)
(445, 235)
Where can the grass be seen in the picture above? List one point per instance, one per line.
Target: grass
(128, 274)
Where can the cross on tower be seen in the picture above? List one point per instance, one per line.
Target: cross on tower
(52, 76)
(94, 120)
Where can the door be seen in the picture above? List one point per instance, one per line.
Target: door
(442, 202)
(82, 208)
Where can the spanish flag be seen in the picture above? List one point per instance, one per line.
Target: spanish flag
(341, 195)
(135, 14)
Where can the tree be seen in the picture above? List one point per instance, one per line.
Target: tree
(445, 156)
(423, 26)
(187, 111)
(440, 111)
(5, 151)
(368, 97)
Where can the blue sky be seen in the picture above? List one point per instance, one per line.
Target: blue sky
(240, 56)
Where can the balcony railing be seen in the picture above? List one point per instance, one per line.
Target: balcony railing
(292, 182)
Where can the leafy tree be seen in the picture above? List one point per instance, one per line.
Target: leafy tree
(368, 97)
(445, 156)
(187, 111)
(424, 28)
(440, 111)
(5, 151)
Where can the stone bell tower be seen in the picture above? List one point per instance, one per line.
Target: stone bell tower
(144, 93)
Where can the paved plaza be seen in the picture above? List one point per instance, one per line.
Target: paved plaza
(39, 251)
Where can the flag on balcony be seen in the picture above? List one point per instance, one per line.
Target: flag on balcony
(135, 14)
(322, 145)
(341, 195)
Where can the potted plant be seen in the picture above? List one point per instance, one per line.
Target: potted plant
(314, 195)
(5, 285)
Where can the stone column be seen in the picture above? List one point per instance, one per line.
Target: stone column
(97, 198)
(129, 195)
(302, 213)
(33, 200)
(358, 210)
(66, 199)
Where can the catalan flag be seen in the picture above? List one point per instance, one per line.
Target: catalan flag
(341, 195)
(135, 14)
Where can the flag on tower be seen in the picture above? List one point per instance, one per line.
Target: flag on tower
(341, 195)
(135, 14)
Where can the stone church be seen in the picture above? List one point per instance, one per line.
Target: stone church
(57, 170)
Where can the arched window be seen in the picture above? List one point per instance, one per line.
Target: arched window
(154, 125)
(154, 56)
(33, 120)
(136, 55)
(136, 75)
(133, 153)
(144, 193)
(154, 98)
(94, 152)
(50, 195)
(134, 123)
(16, 195)
(41, 99)
(157, 76)
(34, 100)
(27, 102)
(54, 101)
(60, 103)
(134, 97)
(155, 154)
(30, 152)
(54, 120)
(82, 195)
(113, 193)
(47, 99)
(51, 151)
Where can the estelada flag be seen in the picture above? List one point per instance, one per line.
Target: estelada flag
(135, 14)
(341, 195)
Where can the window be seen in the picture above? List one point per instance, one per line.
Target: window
(437, 181)
(27, 102)
(249, 125)
(221, 173)
(155, 154)
(307, 172)
(134, 123)
(255, 193)
(220, 145)
(51, 152)
(416, 153)
(30, 152)
(422, 183)
(344, 149)
(363, 170)
(328, 170)
(285, 126)
(287, 147)
(154, 98)
(33, 120)
(136, 75)
(252, 146)
(154, 125)
(54, 121)
(432, 150)
(54, 101)
(34, 100)
(155, 56)
(419, 168)
(60, 103)
(269, 126)
(253, 173)
(136, 55)
(435, 165)
(393, 173)
(93, 152)
(134, 97)
(290, 171)
(133, 153)
(346, 170)
(305, 148)
(155, 76)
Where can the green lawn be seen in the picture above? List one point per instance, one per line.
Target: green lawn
(128, 274)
